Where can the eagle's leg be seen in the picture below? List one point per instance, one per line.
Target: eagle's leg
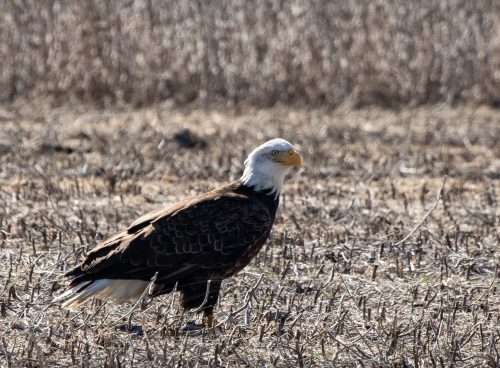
(209, 319)
(202, 297)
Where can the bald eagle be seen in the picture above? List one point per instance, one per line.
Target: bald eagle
(192, 245)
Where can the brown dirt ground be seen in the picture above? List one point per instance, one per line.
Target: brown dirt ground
(335, 287)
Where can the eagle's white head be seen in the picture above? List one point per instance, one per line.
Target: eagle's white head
(268, 164)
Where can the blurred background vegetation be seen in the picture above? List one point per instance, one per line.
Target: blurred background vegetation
(319, 53)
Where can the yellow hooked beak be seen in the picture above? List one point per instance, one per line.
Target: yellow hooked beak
(292, 158)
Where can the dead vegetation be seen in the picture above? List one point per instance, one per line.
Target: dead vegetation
(312, 52)
(331, 288)
(335, 285)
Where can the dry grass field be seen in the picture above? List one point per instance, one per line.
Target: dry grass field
(386, 247)
(332, 287)
(315, 52)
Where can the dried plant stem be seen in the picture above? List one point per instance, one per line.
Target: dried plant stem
(438, 197)
(205, 299)
(248, 296)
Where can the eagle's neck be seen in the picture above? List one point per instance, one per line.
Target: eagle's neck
(270, 200)
(264, 179)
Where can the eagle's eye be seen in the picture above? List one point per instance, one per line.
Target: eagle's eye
(274, 153)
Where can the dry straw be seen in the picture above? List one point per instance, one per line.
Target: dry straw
(266, 51)
(334, 286)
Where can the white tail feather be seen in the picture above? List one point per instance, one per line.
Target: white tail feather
(118, 290)
(70, 292)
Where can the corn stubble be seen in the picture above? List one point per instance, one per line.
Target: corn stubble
(330, 287)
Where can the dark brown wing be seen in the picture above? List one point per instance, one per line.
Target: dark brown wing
(215, 233)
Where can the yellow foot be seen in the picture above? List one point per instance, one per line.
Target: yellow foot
(209, 321)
